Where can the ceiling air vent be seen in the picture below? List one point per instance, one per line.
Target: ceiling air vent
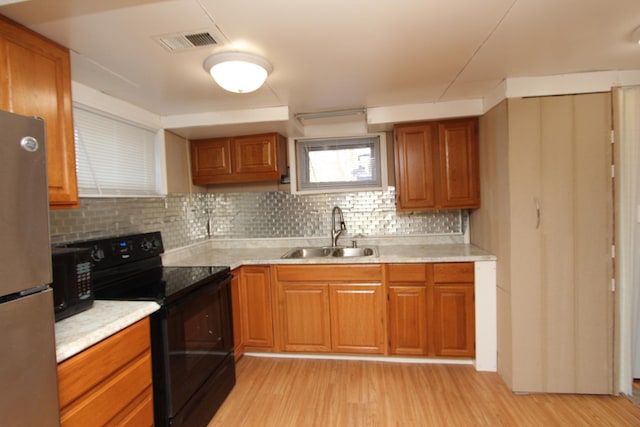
(184, 41)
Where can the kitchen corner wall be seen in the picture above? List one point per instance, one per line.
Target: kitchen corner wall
(184, 219)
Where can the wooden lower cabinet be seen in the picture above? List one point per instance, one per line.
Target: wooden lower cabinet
(110, 382)
(331, 308)
(454, 320)
(256, 312)
(238, 343)
(408, 322)
(357, 318)
(431, 309)
(454, 309)
(304, 317)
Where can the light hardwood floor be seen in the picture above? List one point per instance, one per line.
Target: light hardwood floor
(304, 392)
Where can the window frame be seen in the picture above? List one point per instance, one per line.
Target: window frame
(296, 165)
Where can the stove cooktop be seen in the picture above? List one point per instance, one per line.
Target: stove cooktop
(130, 268)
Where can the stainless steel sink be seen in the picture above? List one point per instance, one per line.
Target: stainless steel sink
(353, 252)
(308, 253)
(328, 252)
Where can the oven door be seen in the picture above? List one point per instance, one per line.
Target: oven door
(192, 337)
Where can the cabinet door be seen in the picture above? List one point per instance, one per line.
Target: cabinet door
(357, 318)
(256, 154)
(35, 80)
(238, 344)
(304, 317)
(408, 320)
(459, 172)
(255, 295)
(415, 147)
(210, 158)
(454, 320)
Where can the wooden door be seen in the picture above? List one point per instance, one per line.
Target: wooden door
(458, 156)
(255, 154)
(35, 80)
(255, 295)
(408, 323)
(415, 149)
(210, 158)
(357, 318)
(454, 320)
(304, 317)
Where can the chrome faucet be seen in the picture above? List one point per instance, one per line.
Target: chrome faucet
(335, 234)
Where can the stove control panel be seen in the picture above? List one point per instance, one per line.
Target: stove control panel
(118, 250)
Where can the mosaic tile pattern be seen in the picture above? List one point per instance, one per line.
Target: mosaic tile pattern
(185, 219)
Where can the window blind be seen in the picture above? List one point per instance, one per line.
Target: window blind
(113, 157)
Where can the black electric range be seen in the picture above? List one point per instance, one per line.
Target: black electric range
(191, 334)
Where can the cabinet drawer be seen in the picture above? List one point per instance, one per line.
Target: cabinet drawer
(328, 273)
(407, 273)
(453, 272)
(81, 373)
(101, 404)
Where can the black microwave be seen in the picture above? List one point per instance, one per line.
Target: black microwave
(72, 281)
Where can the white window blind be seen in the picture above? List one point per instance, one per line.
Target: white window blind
(114, 157)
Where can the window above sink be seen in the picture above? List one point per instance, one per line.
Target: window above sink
(324, 165)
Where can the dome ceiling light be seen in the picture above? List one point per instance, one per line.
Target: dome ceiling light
(238, 72)
(635, 36)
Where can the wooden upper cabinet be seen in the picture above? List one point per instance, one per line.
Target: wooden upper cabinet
(251, 158)
(459, 174)
(437, 165)
(415, 150)
(35, 80)
(211, 158)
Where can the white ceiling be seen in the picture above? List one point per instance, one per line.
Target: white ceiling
(333, 54)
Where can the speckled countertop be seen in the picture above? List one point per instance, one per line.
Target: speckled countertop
(237, 252)
(81, 331)
(105, 318)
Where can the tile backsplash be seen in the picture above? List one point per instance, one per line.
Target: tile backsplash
(184, 219)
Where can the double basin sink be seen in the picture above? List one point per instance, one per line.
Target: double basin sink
(331, 252)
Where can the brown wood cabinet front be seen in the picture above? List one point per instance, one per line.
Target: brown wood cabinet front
(459, 171)
(331, 308)
(436, 165)
(251, 158)
(408, 309)
(236, 307)
(454, 310)
(35, 80)
(257, 315)
(109, 383)
(304, 317)
(357, 318)
(431, 309)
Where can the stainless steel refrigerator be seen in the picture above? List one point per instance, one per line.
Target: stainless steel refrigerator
(28, 378)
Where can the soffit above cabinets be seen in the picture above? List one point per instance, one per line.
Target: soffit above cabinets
(332, 55)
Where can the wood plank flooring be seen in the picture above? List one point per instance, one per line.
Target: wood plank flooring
(306, 392)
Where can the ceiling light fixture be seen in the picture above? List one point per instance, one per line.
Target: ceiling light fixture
(635, 36)
(237, 71)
